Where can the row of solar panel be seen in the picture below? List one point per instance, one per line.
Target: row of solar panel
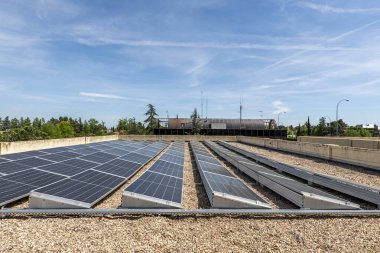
(220, 182)
(161, 185)
(289, 188)
(97, 182)
(28, 171)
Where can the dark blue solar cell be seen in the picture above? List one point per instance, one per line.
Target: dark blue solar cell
(34, 177)
(34, 162)
(76, 191)
(120, 168)
(86, 151)
(99, 157)
(159, 186)
(62, 169)
(12, 167)
(69, 154)
(12, 191)
(54, 157)
(99, 178)
(81, 164)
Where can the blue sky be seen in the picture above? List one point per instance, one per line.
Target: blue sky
(109, 59)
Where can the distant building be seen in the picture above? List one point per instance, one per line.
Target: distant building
(244, 124)
(373, 128)
(368, 126)
(246, 127)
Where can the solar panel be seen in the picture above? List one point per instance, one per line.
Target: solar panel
(99, 178)
(54, 157)
(62, 169)
(75, 162)
(73, 191)
(120, 168)
(86, 151)
(33, 177)
(167, 168)
(158, 186)
(117, 151)
(81, 164)
(173, 159)
(3, 160)
(99, 157)
(11, 191)
(15, 156)
(230, 186)
(69, 154)
(135, 157)
(33, 162)
(224, 190)
(213, 168)
(12, 167)
(208, 159)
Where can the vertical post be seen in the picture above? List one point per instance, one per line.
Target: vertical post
(337, 116)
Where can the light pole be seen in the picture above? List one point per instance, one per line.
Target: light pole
(261, 114)
(278, 119)
(337, 111)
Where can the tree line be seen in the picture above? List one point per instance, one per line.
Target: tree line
(324, 128)
(24, 129)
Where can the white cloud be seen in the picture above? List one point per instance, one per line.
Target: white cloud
(279, 107)
(100, 95)
(323, 8)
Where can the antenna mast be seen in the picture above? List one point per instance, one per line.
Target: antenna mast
(206, 107)
(201, 104)
(241, 110)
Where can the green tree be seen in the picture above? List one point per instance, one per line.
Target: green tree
(321, 129)
(65, 129)
(341, 126)
(15, 123)
(37, 123)
(195, 122)
(6, 123)
(151, 120)
(94, 127)
(52, 131)
(357, 132)
(27, 122)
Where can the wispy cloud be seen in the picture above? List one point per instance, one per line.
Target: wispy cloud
(325, 43)
(108, 40)
(328, 9)
(101, 95)
(279, 107)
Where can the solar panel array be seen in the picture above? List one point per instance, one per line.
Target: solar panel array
(21, 173)
(218, 181)
(291, 189)
(357, 190)
(161, 185)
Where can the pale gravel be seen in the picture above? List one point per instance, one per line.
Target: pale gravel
(353, 173)
(199, 234)
(194, 194)
(189, 234)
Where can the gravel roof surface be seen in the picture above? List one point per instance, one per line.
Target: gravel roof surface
(218, 234)
(354, 173)
(195, 234)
